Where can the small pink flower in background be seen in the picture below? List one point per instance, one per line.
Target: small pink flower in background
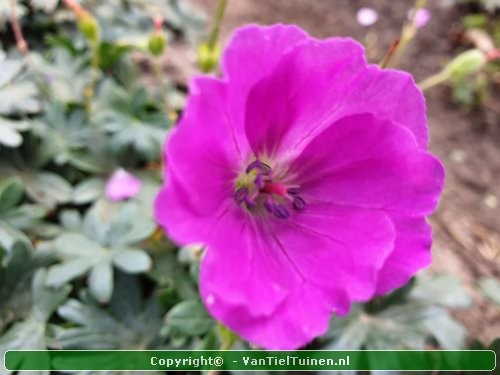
(305, 173)
(422, 17)
(366, 16)
(122, 185)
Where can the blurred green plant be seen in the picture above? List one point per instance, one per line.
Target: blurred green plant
(16, 217)
(105, 238)
(489, 5)
(112, 277)
(35, 331)
(128, 323)
(409, 318)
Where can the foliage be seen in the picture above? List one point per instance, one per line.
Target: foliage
(80, 271)
(489, 5)
(409, 318)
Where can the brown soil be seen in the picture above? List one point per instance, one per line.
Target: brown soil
(467, 223)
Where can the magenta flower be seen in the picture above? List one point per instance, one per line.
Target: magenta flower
(366, 16)
(422, 17)
(305, 174)
(122, 185)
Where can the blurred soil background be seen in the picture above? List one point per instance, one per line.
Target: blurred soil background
(466, 226)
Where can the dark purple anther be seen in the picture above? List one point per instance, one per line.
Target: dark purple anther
(281, 212)
(241, 194)
(298, 203)
(294, 190)
(265, 169)
(249, 202)
(262, 167)
(253, 165)
(269, 204)
(259, 181)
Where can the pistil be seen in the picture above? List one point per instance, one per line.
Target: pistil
(260, 188)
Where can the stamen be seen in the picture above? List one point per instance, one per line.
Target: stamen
(263, 168)
(268, 192)
(249, 202)
(240, 194)
(280, 212)
(269, 204)
(259, 181)
(298, 203)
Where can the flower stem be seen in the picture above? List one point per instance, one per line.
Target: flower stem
(21, 44)
(95, 61)
(407, 34)
(219, 15)
(158, 73)
(90, 28)
(228, 339)
(435, 79)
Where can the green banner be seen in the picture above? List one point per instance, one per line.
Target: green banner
(234, 360)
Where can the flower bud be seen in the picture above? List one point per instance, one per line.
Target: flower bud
(89, 27)
(208, 56)
(465, 64)
(157, 43)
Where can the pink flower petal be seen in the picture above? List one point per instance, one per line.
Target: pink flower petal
(422, 17)
(297, 101)
(375, 164)
(366, 16)
(122, 185)
(350, 243)
(411, 253)
(304, 172)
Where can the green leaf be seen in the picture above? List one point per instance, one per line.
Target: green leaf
(352, 337)
(444, 290)
(88, 190)
(16, 269)
(48, 6)
(27, 335)
(448, 332)
(130, 121)
(101, 282)
(189, 318)
(47, 188)
(10, 235)
(19, 97)
(127, 323)
(67, 137)
(9, 69)
(132, 260)
(31, 334)
(46, 300)
(142, 228)
(117, 224)
(26, 216)
(11, 193)
(490, 286)
(71, 220)
(167, 271)
(77, 245)
(10, 135)
(60, 274)
(67, 76)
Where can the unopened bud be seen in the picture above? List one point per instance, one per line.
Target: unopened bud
(208, 57)
(89, 27)
(465, 64)
(157, 43)
(157, 23)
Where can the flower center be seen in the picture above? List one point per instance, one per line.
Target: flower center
(260, 190)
